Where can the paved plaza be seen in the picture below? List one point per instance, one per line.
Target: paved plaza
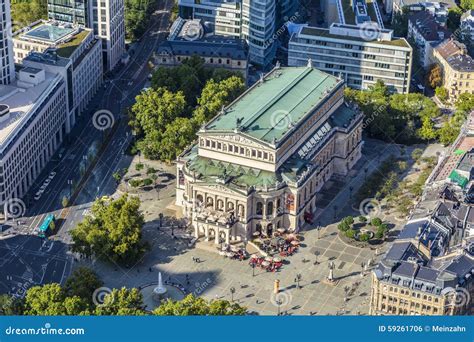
(214, 276)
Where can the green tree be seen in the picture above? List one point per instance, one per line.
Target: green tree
(196, 306)
(450, 130)
(26, 12)
(10, 306)
(112, 232)
(442, 94)
(376, 221)
(216, 95)
(350, 233)
(427, 131)
(51, 300)
(362, 219)
(154, 109)
(416, 154)
(400, 22)
(465, 102)
(82, 283)
(467, 5)
(65, 201)
(122, 302)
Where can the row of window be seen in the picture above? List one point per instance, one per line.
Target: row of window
(236, 149)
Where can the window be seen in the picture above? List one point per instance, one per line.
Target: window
(259, 208)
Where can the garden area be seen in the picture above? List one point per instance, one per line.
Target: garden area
(363, 233)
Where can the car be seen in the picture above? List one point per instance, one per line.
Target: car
(52, 174)
(42, 187)
(47, 181)
(37, 196)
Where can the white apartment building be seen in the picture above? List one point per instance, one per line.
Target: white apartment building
(7, 67)
(109, 25)
(346, 51)
(253, 21)
(33, 120)
(72, 48)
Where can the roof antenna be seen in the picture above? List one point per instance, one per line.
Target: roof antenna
(310, 63)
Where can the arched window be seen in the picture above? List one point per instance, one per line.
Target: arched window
(270, 208)
(210, 202)
(230, 206)
(220, 205)
(241, 210)
(199, 199)
(259, 208)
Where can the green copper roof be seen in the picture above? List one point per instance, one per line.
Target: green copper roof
(457, 178)
(267, 109)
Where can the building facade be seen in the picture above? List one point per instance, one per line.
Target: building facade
(253, 21)
(424, 31)
(457, 66)
(74, 49)
(258, 165)
(7, 66)
(428, 270)
(105, 17)
(216, 51)
(347, 51)
(33, 124)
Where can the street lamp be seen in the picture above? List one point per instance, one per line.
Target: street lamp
(350, 191)
(253, 269)
(232, 291)
(278, 303)
(297, 281)
(335, 210)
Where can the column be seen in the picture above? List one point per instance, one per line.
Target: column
(227, 236)
(216, 239)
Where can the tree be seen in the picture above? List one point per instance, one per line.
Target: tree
(137, 17)
(454, 18)
(122, 302)
(82, 283)
(26, 12)
(194, 306)
(154, 109)
(50, 300)
(465, 102)
(349, 220)
(427, 131)
(435, 76)
(10, 306)
(362, 219)
(467, 5)
(216, 95)
(442, 94)
(112, 232)
(343, 226)
(449, 131)
(400, 22)
(350, 233)
(178, 134)
(416, 154)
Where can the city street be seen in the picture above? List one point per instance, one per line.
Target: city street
(85, 139)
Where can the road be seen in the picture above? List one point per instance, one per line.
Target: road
(117, 94)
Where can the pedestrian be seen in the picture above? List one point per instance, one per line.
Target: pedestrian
(194, 259)
(149, 269)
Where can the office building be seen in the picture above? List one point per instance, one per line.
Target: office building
(7, 71)
(258, 165)
(358, 54)
(255, 22)
(105, 17)
(75, 49)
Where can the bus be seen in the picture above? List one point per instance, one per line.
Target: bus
(44, 229)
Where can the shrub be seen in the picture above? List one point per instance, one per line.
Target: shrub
(139, 166)
(150, 170)
(343, 226)
(416, 154)
(350, 233)
(135, 183)
(362, 219)
(364, 237)
(376, 221)
(147, 181)
(349, 220)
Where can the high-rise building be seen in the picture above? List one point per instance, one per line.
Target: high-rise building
(70, 11)
(108, 23)
(7, 66)
(105, 17)
(253, 21)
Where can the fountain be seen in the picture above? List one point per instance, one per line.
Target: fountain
(155, 294)
(159, 292)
